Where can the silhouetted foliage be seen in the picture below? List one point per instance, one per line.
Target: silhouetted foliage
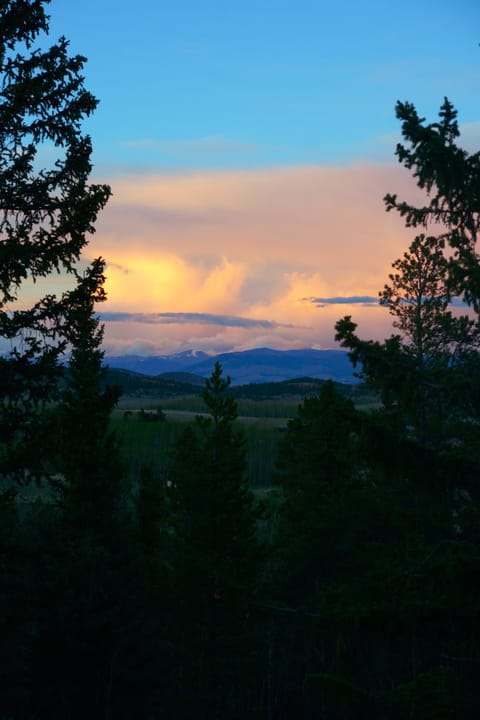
(318, 465)
(162, 600)
(420, 446)
(450, 177)
(46, 215)
(218, 556)
(68, 568)
(436, 349)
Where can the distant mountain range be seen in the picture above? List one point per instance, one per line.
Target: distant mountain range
(248, 366)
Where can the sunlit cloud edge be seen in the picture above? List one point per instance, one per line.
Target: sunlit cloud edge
(181, 318)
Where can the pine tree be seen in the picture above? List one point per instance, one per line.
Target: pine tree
(450, 177)
(422, 446)
(84, 577)
(46, 215)
(68, 576)
(318, 472)
(218, 554)
(215, 508)
(88, 483)
(420, 301)
(429, 370)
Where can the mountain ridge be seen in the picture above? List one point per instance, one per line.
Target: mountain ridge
(256, 365)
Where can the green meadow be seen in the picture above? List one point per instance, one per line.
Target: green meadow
(144, 442)
(262, 417)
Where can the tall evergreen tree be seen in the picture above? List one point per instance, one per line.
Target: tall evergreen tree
(419, 299)
(68, 575)
(218, 554)
(450, 177)
(422, 444)
(318, 467)
(87, 455)
(430, 369)
(46, 215)
(214, 506)
(78, 561)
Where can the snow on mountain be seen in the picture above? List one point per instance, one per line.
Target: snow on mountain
(247, 366)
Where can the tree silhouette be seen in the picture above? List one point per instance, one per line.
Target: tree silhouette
(450, 176)
(422, 446)
(218, 554)
(46, 215)
(318, 466)
(63, 577)
(424, 369)
(419, 299)
(87, 455)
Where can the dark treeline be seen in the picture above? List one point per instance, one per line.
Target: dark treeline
(349, 590)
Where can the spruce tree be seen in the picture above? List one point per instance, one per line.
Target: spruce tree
(218, 555)
(47, 212)
(450, 179)
(88, 484)
(68, 575)
(214, 507)
(430, 369)
(318, 471)
(422, 446)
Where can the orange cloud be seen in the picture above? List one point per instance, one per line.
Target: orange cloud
(252, 244)
(158, 281)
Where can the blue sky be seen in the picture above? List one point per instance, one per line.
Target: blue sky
(248, 146)
(221, 84)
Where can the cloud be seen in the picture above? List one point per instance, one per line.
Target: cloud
(194, 248)
(276, 212)
(363, 300)
(192, 318)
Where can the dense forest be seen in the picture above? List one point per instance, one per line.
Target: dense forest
(348, 589)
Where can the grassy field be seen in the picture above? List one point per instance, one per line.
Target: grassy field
(149, 442)
(194, 404)
(262, 420)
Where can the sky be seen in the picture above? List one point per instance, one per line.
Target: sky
(248, 146)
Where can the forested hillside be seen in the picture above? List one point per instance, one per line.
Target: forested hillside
(346, 585)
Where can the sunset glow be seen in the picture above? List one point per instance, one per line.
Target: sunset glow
(254, 245)
(248, 153)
